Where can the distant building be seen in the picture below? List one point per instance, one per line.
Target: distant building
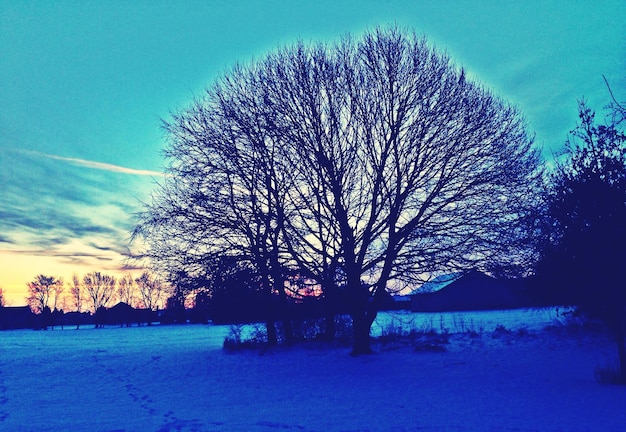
(124, 314)
(439, 282)
(470, 291)
(16, 317)
(77, 318)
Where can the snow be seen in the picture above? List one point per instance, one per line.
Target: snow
(178, 378)
(477, 321)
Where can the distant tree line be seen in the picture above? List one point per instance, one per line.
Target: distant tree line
(95, 290)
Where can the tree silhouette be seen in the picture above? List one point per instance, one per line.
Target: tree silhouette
(40, 291)
(56, 292)
(150, 289)
(77, 296)
(358, 165)
(126, 289)
(587, 225)
(100, 289)
(76, 292)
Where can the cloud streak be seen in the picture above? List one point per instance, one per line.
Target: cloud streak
(64, 215)
(52, 253)
(99, 165)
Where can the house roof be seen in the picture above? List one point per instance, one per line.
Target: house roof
(16, 317)
(15, 310)
(121, 306)
(437, 283)
(472, 290)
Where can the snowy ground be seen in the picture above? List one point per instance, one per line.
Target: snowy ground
(177, 378)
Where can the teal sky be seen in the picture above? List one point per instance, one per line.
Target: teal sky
(84, 84)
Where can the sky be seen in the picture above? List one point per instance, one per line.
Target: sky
(84, 86)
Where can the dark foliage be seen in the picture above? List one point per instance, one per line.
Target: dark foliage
(174, 312)
(585, 243)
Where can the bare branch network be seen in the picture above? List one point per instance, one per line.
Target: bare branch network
(356, 164)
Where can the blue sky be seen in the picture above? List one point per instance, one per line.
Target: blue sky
(84, 84)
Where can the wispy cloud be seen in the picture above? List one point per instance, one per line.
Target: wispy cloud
(62, 215)
(99, 165)
(52, 253)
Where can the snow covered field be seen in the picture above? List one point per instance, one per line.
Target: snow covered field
(177, 378)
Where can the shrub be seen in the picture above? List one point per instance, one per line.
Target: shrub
(393, 330)
(237, 340)
(609, 372)
(501, 330)
(429, 347)
(343, 328)
(307, 329)
(254, 336)
(423, 339)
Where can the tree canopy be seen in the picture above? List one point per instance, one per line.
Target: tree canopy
(587, 211)
(360, 164)
(41, 290)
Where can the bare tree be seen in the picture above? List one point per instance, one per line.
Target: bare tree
(151, 290)
(360, 165)
(233, 215)
(76, 295)
(126, 289)
(100, 289)
(56, 292)
(76, 292)
(40, 290)
(618, 109)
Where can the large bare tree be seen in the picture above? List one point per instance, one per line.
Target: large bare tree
(360, 164)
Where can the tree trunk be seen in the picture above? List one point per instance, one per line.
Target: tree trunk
(621, 351)
(622, 360)
(329, 327)
(360, 304)
(288, 330)
(285, 313)
(330, 309)
(272, 338)
(361, 325)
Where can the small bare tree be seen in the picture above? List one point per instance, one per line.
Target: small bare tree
(100, 289)
(56, 292)
(76, 296)
(151, 290)
(126, 289)
(76, 292)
